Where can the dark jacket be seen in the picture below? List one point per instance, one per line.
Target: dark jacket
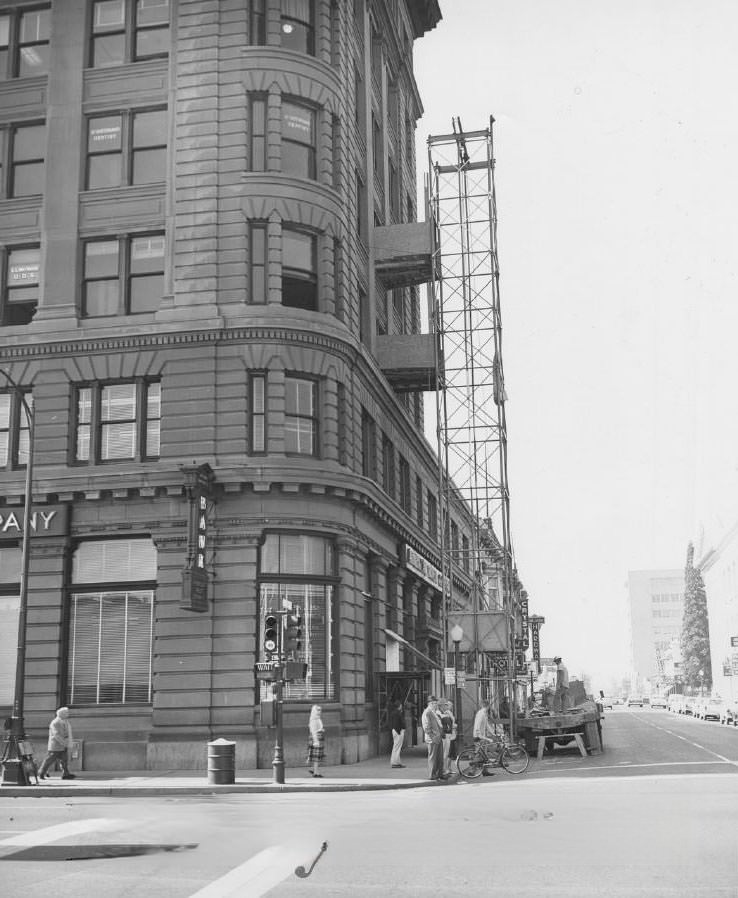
(397, 720)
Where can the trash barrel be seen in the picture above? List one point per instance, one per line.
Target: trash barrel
(221, 762)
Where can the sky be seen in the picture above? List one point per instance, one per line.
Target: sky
(616, 175)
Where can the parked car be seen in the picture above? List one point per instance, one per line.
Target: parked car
(708, 708)
(606, 702)
(729, 714)
(688, 705)
(658, 701)
(635, 700)
(676, 702)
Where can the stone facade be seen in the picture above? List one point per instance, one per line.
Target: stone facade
(211, 332)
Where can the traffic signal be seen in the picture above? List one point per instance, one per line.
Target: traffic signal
(292, 634)
(271, 635)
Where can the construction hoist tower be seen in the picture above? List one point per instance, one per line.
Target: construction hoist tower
(470, 403)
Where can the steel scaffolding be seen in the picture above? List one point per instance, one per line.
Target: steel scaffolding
(470, 395)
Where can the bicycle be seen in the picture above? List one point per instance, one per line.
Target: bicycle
(473, 760)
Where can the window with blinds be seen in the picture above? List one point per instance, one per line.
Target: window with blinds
(10, 610)
(10, 568)
(294, 571)
(120, 421)
(111, 626)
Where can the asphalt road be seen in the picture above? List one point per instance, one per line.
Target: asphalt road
(655, 815)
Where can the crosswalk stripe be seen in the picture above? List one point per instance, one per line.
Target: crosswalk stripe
(255, 877)
(61, 831)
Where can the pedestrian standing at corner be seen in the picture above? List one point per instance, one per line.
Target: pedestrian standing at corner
(561, 698)
(316, 740)
(448, 722)
(60, 741)
(433, 736)
(397, 725)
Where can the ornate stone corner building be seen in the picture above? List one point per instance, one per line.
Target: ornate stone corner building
(210, 273)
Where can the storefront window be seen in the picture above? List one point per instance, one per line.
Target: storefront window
(111, 622)
(297, 574)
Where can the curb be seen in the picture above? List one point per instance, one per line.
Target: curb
(210, 790)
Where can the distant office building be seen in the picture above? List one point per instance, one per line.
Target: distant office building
(718, 568)
(655, 606)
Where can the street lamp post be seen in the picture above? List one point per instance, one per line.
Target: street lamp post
(12, 760)
(457, 634)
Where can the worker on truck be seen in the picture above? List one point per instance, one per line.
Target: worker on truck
(561, 698)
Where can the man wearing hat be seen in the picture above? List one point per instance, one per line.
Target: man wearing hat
(561, 700)
(433, 735)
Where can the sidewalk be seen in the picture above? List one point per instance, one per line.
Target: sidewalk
(370, 775)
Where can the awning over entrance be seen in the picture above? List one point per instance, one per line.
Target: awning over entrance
(429, 661)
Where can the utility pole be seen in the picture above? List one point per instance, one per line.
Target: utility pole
(15, 763)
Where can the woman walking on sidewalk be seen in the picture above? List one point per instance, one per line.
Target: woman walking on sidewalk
(60, 741)
(316, 740)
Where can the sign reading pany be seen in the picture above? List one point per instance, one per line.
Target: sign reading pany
(48, 521)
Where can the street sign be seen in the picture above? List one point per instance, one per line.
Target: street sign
(461, 679)
(266, 670)
(449, 676)
(734, 641)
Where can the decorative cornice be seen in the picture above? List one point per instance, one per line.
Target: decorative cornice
(242, 334)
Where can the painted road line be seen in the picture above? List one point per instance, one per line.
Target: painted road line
(61, 831)
(634, 765)
(256, 877)
(709, 751)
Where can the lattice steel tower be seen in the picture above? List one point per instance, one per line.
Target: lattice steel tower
(470, 404)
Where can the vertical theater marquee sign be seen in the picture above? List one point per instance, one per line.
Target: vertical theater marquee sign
(195, 577)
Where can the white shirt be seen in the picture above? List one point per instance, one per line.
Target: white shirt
(484, 727)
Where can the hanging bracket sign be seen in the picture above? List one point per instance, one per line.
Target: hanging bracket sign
(195, 578)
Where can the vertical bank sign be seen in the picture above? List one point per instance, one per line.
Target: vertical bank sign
(195, 579)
